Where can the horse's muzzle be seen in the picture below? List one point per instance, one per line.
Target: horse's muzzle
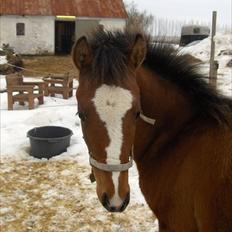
(106, 203)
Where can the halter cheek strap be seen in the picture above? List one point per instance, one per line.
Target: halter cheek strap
(147, 119)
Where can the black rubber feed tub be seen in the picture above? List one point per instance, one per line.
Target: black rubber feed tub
(49, 141)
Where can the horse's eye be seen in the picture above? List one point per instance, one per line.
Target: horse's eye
(82, 116)
(137, 114)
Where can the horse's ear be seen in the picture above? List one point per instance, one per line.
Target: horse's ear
(139, 51)
(81, 53)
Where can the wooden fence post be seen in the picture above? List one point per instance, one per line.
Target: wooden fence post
(213, 64)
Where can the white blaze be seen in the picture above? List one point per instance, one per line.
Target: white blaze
(112, 103)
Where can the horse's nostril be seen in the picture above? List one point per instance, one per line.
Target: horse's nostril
(105, 200)
(125, 202)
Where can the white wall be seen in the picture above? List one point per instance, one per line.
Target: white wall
(108, 23)
(113, 24)
(85, 25)
(39, 35)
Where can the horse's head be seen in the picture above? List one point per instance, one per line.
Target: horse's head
(108, 106)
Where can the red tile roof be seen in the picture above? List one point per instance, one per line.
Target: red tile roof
(81, 8)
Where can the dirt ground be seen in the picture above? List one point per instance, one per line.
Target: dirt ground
(42, 65)
(57, 196)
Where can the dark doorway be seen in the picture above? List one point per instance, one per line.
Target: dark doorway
(64, 36)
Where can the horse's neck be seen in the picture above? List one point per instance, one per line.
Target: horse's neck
(164, 102)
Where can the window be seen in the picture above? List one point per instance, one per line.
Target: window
(20, 29)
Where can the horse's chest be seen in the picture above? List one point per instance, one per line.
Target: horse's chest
(165, 199)
(157, 193)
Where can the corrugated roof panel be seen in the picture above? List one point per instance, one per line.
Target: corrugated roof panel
(87, 8)
(9, 6)
(60, 8)
(44, 6)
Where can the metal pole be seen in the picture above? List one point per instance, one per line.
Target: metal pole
(213, 65)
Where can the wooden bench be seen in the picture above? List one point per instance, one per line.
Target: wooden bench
(59, 84)
(20, 91)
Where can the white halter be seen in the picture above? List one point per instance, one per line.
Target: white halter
(147, 119)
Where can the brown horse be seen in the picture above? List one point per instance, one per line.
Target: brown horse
(148, 100)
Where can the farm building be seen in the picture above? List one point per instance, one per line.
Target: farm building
(192, 33)
(51, 26)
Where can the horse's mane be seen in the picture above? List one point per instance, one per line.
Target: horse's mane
(175, 67)
(110, 55)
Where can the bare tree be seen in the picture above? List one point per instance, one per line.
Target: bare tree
(160, 27)
(138, 21)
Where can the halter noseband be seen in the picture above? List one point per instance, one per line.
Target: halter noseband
(111, 167)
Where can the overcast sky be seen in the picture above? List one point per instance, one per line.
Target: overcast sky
(197, 10)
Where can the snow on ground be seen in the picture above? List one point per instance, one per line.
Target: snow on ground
(223, 54)
(56, 194)
(201, 50)
(3, 59)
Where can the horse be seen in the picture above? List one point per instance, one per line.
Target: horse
(146, 102)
